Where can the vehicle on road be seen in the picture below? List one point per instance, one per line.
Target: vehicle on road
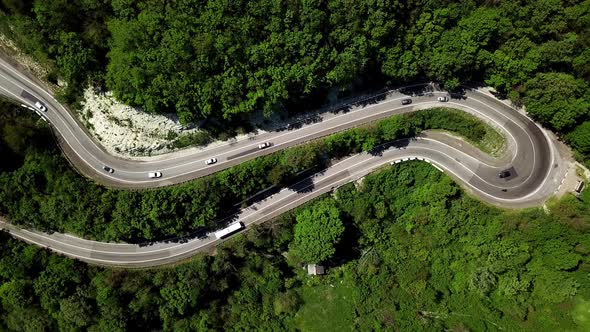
(406, 101)
(443, 99)
(40, 106)
(220, 234)
(108, 169)
(264, 145)
(504, 174)
(211, 161)
(154, 175)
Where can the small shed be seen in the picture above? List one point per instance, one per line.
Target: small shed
(314, 269)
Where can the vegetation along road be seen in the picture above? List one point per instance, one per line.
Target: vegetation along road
(527, 178)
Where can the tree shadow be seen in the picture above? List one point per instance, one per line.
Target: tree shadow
(304, 186)
(420, 90)
(341, 110)
(397, 144)
(370, 100)
(459, 93)
(347, 249)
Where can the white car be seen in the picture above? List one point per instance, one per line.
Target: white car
(40, 106)
(443, 99)
(155, 175)
(211, 161)
(264, 145)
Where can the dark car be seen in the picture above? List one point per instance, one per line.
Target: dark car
(504, 174)
(108, 169)
(406, 101)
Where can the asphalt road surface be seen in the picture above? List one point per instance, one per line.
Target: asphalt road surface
(532, 162)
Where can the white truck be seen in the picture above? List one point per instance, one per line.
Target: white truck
(220, 234)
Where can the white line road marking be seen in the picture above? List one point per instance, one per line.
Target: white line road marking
(322, 183)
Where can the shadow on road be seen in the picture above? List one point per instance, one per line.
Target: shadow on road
(304, 186)
(417, 90)
(398, 144)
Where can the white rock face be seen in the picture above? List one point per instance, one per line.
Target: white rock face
(122, 130)
(126, 131)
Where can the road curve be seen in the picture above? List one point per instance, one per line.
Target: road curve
(532, 160)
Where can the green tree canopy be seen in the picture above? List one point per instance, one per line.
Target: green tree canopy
(317, 231)
(557, 99)
(579, 138)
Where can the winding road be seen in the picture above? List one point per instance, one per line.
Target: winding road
(532, 159)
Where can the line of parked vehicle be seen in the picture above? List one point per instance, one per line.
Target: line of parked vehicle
(211, 161)
(261, 146)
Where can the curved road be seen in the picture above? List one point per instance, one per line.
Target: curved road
(532, 163)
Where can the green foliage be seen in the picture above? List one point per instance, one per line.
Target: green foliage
(513, 64)
(581, 313)
(464, 47)
(193, 139)
(557, 99)
(288, 302)
(229, 59)
(73, 57)
(326, 307)
(579, 138)
(428, 257)
(317, 231)
(456, 263)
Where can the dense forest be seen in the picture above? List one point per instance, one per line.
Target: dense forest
(407, 251)
(226, 59)
(40, 190)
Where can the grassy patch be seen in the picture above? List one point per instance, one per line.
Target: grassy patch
(327, 308)
(493, 142)
(581, 313)
(472, 130)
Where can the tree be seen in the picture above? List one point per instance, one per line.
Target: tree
(557, 99)
(75, 312)
(317, 231)
(16, 294)
(463, 49)
(513, 64)
(57, 281)
(579, 138)
(73, 57)
(287, 303)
